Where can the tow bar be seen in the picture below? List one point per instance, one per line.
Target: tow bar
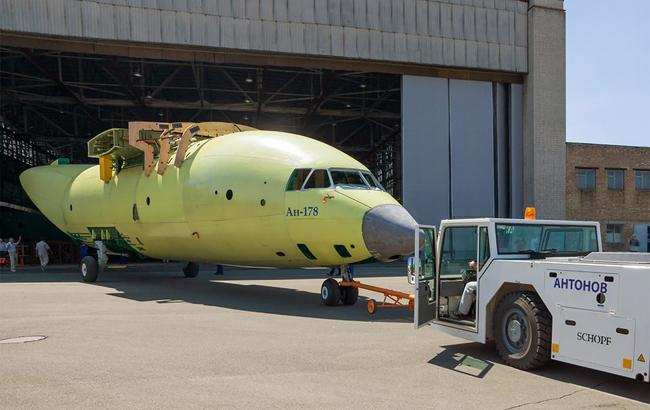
(392, 298)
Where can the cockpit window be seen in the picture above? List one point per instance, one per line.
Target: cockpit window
(297, 178)
(348, 178)
(318, 179)
(354, 179)
(371, 180)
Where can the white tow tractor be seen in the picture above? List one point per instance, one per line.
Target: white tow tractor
(542, 290)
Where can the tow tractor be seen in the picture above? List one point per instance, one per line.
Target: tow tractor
(541, 290)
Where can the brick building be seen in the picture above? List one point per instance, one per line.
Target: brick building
(610, 184)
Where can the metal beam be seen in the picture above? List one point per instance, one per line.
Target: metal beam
(195, 105)
(260, 95)
(112, 67)
(53, 77)
(236, 84)
(166, 81)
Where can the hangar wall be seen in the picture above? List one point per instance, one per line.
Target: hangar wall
(521, 139)
(461, 149)
(484, 34)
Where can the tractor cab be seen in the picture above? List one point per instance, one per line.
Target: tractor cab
(452, 269)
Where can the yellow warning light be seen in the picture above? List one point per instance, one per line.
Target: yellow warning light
(530, 213)
(627, 363)
(556, 348)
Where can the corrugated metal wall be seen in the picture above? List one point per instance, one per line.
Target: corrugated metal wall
(487, 34)
(461, 149)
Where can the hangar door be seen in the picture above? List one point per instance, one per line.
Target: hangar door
(461, 148)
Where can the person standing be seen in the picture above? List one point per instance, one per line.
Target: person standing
(43, 251)
(635, 245)
(12, 250)
(3, 253)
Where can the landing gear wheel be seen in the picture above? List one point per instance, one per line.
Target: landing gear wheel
(372, 306)
(349, 295)
(89, 269)
(522, 330)
(330, 292)
(191, 269)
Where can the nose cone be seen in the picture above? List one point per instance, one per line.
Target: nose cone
(47, 187)
(389, 232)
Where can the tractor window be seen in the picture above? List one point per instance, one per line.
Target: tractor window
(297, 178)
(458, 250)
(484, 247)
(552, 239)
(318, 179)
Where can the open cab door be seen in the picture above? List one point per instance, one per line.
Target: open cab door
(424, 275)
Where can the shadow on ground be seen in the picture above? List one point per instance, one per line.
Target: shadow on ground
(163, 283)
(476, 360)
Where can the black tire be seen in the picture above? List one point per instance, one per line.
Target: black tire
(330, 292)
(89, 269)
(191, 269)
(349, 295)
(522, 330)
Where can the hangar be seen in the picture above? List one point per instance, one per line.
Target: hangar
(458, 106)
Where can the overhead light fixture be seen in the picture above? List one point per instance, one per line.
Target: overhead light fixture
(137, 74)
(161, 114)
(348, 106)
(362, 85)
(149, 96)
(247, 101)
(245, 117)
(248, 80)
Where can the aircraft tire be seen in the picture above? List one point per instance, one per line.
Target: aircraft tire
(191, 269)
(330, 292)
(89, 269)
(349, 295)
(522, 329)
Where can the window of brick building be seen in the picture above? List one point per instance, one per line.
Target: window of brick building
(614, 233)
(615, 179)
(586, 179)
(642, 179)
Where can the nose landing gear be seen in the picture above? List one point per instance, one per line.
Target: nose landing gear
(332, 292)
(347, 291)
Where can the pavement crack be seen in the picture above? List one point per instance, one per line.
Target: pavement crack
(553, 398)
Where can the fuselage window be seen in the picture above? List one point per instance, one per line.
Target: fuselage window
(318, 179)
(297, 178)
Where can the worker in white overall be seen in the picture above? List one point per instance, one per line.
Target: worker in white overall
(43, 251)
(12, 250)
(469, 293)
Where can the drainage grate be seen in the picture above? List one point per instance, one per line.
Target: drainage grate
(23, 339)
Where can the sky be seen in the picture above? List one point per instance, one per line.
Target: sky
(608, 71)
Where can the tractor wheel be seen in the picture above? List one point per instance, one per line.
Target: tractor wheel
(89, 269)
(349, 295)
(330, 292)
(522, 330)
(191, 269)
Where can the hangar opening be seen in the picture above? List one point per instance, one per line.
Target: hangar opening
(54, 102)
(445, 147)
